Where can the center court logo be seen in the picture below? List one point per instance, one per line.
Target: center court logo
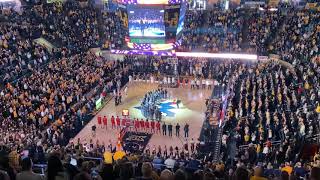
(166, 108)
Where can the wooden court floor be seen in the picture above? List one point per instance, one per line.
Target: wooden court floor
(191, 111)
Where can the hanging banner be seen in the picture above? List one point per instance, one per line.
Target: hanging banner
(273, 3)
(311, 5)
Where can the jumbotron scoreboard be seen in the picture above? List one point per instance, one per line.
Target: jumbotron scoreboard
(155, 23)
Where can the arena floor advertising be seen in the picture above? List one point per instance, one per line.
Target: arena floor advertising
(191, 111)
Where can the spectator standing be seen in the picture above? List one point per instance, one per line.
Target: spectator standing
(166, 175)
(170, 162)
(147, 172)
(27, 173)
(55, 169)
(257, 175)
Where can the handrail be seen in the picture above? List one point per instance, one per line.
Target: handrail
(242, 147)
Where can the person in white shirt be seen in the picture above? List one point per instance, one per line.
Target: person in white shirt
(198, 83)
(203, 83)
(165, 80)
(170, 162)
(265, 150)
(192, 84)
(208, 83)
(302, 129)
(215, 83)
(130, 79)
(270, 134)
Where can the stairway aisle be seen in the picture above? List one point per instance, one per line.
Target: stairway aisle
(245, 44)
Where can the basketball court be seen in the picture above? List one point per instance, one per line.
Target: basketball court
(191, 111)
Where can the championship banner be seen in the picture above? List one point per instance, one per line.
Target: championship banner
(234, 4)
(122, 12)
(311, 5)
(135, 142)
(171, 16)
(273, 3)
(55, 1)
(171, 19)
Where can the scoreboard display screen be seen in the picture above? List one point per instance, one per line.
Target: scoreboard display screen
(146, 23)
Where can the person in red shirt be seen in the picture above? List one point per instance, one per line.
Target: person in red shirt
(113, 122)
(105, 121)
(123, 122)
(158, 126)
(118, 122)
(147, 125)
(142, 124)
(99, 121)
(152, 126)
(137, 124)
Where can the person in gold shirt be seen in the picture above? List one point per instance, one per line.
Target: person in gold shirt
(318, 108)
(257, 174)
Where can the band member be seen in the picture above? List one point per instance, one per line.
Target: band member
(152, 126)
(105, 121)
(192, 145)
(158, 126)
(118, 122)
(186, 146)
(165, 151)
(113, 122)
(93, 130)
(159, 150)
(171, 151)
(142, 124)
(99, 121)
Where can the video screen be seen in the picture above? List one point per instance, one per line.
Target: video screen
(146, 21)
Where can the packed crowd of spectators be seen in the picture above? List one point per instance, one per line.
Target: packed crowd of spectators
(18, 54)
(72, 162)
(70, 25)
(262, 26)
(272, 116)
(41, 111)
(62, 93)
(220, 30)
(114, 31)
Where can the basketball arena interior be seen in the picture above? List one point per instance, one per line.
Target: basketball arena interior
(160, 90)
